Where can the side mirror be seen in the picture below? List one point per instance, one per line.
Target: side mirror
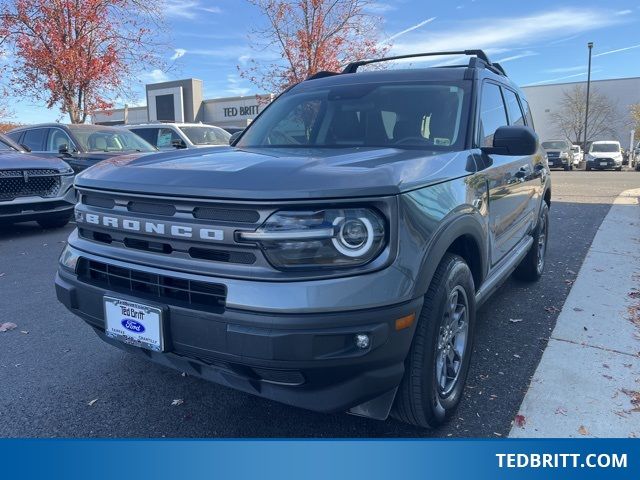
(234, 137)
(513, 140)
(178, 143)
(64, 149)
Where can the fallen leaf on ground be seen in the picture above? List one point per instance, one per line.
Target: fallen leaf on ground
(2, 274)
(515, 320)
(5, 327)
(516, 355)
(92, 402)
(176, 402)
(571, 272)
(24, 331)
(561, 411)
(578, 309)
(583, 430)
(552, 309)
(520, 421)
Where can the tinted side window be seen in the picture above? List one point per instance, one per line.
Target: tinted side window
(148, 134)
(34, 139)
(492, 113)
(58, 138)
(15, 136)
(165, 138)
(527, 113)
(516, 117)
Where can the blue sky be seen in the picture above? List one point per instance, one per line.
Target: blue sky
(537, 42)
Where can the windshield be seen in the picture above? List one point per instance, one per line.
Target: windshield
(605, 147)
(554, 145)
(206, 135)
(111, 140)
(575, 149)
(422, 115)
(6, 144)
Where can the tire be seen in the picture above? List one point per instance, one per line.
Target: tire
(54, 222)
(421, 400)
(531, 267)
(587, 168)
(618, 169)
(566, 168)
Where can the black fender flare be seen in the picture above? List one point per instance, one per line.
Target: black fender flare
(471, 224)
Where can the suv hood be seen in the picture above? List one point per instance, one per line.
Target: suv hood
(23, 161)
(276, 174)
(605, 154)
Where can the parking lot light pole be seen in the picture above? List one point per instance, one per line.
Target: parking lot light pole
(586, 115)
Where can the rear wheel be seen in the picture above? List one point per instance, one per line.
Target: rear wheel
(532, 266)
(57, 221)
(437, 365)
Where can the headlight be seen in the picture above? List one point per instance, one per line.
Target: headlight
(332, 238)
(69, 258)
(564, 155)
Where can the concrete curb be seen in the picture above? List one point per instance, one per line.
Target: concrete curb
(588, 381)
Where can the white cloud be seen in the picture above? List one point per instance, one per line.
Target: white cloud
(188, 9)
(179, 53)
(154, 76)
(234, 86)
(378, 8)
(624, 12)
(243, 59)
(410, 29)
(577, 68)
(516, 57)
(552, 80)
(507, 32)
(623, 49)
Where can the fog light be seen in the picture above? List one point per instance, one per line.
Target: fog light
(362, 341)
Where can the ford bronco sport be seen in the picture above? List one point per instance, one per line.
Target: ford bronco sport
(335, 255)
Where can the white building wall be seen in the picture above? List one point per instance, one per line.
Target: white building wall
(134, 115)
(546, 99)
(234, 111)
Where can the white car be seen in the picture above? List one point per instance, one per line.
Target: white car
(604, 155)
(167, 136)
(577, 154)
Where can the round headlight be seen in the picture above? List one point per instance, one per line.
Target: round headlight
(355, 236)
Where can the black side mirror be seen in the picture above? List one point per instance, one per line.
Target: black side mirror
(25, 148)
(234, 137)
(64, 150)
(178, 143)
(513, 140)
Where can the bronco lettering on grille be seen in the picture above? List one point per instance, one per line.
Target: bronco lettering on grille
(158, 228)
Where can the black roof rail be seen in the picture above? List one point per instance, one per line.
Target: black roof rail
(499, 67)
(321, 74)
(477, 54)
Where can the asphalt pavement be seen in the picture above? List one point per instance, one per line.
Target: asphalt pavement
(58, 379)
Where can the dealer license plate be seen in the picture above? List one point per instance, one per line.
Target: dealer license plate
(603, 164)
(134, 323)
(551, 163)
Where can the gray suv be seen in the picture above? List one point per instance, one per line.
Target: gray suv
(333, 258)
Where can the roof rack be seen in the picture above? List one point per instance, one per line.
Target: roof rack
(477, 54)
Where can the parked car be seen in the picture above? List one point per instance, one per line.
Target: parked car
(79, 145)
(232, 130)
(559, 154)
(334, 257)
(33, 187)
(604, 155)
(576, 151)
(166, 136)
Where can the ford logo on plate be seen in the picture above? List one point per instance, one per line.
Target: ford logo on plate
(132, 325)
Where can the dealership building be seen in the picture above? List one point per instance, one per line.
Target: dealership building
(182, 101)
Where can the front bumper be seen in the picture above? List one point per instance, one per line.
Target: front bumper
(603, 164)
(307, 360)
(24, 209)
(558, 162)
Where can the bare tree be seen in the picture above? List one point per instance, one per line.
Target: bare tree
(635, 119)
(303, 37)
(569, 119)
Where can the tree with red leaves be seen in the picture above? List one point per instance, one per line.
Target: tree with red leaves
(77, 54)
(308, 36)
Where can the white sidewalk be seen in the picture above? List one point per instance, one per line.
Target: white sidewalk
(588, 381)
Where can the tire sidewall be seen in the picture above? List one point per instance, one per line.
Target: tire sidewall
(458, 273)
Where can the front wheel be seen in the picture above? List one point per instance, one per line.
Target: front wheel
(437, 365)
(531, 267)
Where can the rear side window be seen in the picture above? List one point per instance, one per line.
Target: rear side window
(516, 117)
(35, 138)
(527, 113)
(148, 134)
(492, 113)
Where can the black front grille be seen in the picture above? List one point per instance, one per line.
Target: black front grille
(28, 183)
(226, 214)
(164, 288)
(152, 208)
